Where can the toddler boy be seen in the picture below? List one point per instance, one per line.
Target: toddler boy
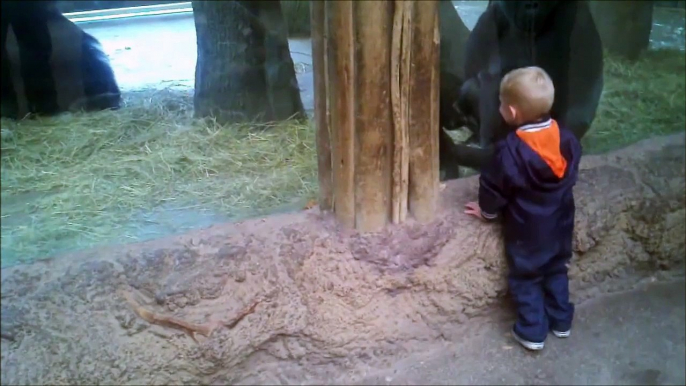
(529, 183)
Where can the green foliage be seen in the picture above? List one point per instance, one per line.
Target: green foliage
(641, 99)
(297, 16)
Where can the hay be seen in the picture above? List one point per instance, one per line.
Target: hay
(92, 172)
(80, 180)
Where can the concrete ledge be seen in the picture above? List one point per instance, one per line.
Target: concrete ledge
(292, 299)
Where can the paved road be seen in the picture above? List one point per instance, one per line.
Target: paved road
(631, 338)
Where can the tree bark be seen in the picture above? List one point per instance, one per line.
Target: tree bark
(321, 111)
(381, 101)
(244, 71)
(297, 15)
(624, 26)
(423, 111)
(373, 119)
(282, 84)
(340, 59)
(230, 82)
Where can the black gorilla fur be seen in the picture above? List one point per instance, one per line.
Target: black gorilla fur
(28, 81)
(558, 36)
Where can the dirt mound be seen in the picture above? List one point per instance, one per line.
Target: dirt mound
(294, 299)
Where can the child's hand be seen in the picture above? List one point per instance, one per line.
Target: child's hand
(473, 209)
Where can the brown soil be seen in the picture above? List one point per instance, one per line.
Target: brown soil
(295, 299)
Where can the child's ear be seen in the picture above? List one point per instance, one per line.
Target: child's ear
(513, 112)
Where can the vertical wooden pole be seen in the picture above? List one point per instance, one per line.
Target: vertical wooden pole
(424, 99)
(341, 91)
(374, 123)
(400, 78)
(321, 109)
(378, 61)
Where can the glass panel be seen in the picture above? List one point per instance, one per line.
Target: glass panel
(125, 126)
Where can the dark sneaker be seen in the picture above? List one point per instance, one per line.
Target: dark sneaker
(533, 346)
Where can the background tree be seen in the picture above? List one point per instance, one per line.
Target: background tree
(282, 84)
(244, 71)
(624, 26)
(296, 13)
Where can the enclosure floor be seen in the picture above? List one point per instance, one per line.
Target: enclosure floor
(630, 338)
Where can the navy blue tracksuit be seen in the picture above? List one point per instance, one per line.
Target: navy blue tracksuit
(530, 182)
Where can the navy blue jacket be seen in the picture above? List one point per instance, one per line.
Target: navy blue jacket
(529, 182)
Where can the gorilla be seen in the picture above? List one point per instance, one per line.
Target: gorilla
(49, 65)
(558, 36)
(454, 34)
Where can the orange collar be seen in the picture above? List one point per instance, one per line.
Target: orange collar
(544, 139)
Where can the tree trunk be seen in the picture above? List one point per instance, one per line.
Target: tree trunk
(230, 82)
(282, 84)
(244, 71)
(624, 26)
(296, 14)
(377, 78)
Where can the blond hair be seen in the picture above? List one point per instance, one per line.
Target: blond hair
(530, 90)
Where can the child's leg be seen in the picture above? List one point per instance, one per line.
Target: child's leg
(559, 309)
(527, 293)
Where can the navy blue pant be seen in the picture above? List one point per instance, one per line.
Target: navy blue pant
(541, 295)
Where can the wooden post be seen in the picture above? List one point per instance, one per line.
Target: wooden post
(321, 113)
(400, 62)
(340, 89)
(423, 110)
(376, 109)
(373, 23)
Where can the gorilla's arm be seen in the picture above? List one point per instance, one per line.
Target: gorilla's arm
(492, 127)
(478, 97)
(472, 157)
